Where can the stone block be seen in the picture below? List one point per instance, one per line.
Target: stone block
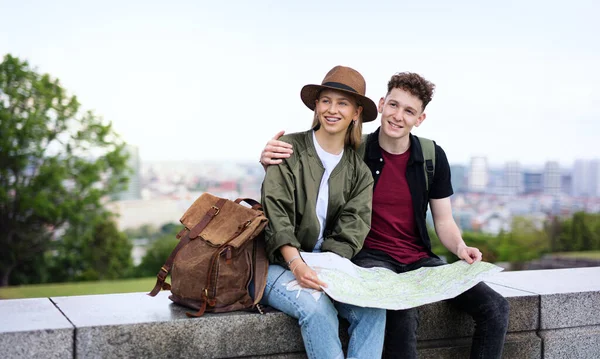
(525, 345)
(565, 294)
(572, 343)
(34, 328)
(135, 325)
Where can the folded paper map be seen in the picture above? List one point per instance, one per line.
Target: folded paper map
(382, 288)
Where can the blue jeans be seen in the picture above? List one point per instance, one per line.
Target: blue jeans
(318, 319)
(488, 309)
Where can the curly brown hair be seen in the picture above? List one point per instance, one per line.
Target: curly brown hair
(413, 83)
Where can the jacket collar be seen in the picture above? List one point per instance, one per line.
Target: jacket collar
(312, 152)
(374, 150)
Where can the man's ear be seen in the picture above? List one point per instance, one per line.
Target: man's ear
(420, 119)
(380, 107)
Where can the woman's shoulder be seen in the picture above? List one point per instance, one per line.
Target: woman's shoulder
(299, 141)
(295, 138)
(357, 164)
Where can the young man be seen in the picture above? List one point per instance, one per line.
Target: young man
(398, 239)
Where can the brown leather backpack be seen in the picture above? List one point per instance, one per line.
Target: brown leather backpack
(220, 250)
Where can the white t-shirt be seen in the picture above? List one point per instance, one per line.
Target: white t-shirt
(329, 161)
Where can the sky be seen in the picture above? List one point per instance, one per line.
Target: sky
(210, 80)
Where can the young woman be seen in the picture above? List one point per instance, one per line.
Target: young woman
(319, 199)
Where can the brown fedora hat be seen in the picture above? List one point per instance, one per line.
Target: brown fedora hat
(345, 79)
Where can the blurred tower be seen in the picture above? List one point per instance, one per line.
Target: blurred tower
(566, 183)
(533, 182)
(585, 178)
(459, 178)
(513, 178)
(552, 178)
(134, 187)
(478, 174)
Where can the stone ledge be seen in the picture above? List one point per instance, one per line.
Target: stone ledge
(575, 290)
(34, 328)
(517, 345)
(572, 343)
(550, 316)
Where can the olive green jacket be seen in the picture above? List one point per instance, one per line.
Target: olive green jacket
(289, 198)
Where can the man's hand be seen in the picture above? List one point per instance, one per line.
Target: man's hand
(275, 150)
(469, 254)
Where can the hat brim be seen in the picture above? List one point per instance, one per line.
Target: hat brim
(309, 94)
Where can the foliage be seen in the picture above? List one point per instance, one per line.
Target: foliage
(156, 255)
(523, 243)
(95, 250)
(593, 255)
(581, 232)
(162, 241)
(56, 165)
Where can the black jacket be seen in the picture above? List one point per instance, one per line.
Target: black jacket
(415, 176)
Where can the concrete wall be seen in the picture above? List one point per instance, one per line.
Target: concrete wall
(554, 314)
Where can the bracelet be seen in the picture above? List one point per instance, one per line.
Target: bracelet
(296, 266)
(289, 263)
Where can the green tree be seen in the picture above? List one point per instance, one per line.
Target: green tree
(581, 232)
(552, 228)
(96, 250)
(57, 163)
(524, 242)
(157, 255)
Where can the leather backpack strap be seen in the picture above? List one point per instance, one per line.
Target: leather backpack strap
(166, 268)
(261, 267)
(255, 204)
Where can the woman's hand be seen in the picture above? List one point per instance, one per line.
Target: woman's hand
(307, 277)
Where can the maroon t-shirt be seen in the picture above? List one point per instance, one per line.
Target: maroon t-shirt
(393, 227)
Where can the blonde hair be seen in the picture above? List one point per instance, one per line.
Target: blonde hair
(353, 136)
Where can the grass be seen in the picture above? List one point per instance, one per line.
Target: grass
(579, 255)
(78, 288)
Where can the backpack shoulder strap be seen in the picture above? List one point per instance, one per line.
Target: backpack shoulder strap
(261, 265)
(428, 148)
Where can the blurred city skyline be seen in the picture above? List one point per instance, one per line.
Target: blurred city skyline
(199, 80)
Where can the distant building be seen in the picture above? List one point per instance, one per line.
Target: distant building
(566, 183)
(513, 178)
(586, 178)
(493, 222)
(135, 213)
(478, 174)
(552, 178)
(134, 187)
(459, 178)
(495, 181)
(533, 182)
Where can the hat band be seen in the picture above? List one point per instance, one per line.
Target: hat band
(339, 86)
